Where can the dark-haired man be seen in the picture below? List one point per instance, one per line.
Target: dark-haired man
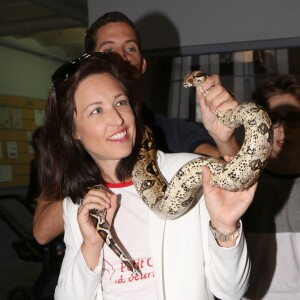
(114, 32)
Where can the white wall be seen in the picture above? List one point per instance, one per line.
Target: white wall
(24, 74)
(191, 23)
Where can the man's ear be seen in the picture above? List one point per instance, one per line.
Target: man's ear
(143, 65)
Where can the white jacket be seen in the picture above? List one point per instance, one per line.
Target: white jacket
(188, 263)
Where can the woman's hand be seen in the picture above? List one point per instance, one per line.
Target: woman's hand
(225, 207)
(92, 242)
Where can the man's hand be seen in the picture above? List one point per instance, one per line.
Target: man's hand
(217, 98)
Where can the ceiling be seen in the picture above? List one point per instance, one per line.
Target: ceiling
(48, 28)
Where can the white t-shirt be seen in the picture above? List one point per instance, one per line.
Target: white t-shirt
(131, 226)
(187, 261)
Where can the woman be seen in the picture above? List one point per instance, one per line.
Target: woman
(92, 135)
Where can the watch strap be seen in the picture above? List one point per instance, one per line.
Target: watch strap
(219, 236)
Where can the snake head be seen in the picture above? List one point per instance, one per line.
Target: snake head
(194, 79)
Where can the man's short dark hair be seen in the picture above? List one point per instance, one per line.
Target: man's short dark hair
(109, 17)
(276, 85)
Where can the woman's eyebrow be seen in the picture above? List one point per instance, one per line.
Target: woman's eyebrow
(92, 104)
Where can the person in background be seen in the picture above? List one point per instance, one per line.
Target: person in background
(92, 135)
(116, 33)
(272, 222)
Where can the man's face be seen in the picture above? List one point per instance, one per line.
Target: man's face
(120, 38)
(286, 142)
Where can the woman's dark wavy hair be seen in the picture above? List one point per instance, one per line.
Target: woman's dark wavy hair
(107, 18)
(278, 85)
(65, 167)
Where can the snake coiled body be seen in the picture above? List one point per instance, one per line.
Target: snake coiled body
(170, 200)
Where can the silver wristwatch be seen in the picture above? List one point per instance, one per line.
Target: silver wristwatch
(222, 237)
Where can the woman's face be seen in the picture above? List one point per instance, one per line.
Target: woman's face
(286, 140)
(104, 121)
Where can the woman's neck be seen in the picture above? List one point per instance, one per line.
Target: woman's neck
(114, 180)
(109, 176)
(108, 171)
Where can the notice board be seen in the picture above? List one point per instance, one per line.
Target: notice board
(19, 118)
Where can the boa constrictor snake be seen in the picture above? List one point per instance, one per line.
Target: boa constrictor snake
(170, 200)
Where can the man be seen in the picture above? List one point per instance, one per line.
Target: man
(114, 32)
(272, 222)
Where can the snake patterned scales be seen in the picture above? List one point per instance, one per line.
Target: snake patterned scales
(102, 227)
(170, 200)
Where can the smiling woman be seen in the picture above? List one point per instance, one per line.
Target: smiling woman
(104, 122)
(65, 102)
(89, 145)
